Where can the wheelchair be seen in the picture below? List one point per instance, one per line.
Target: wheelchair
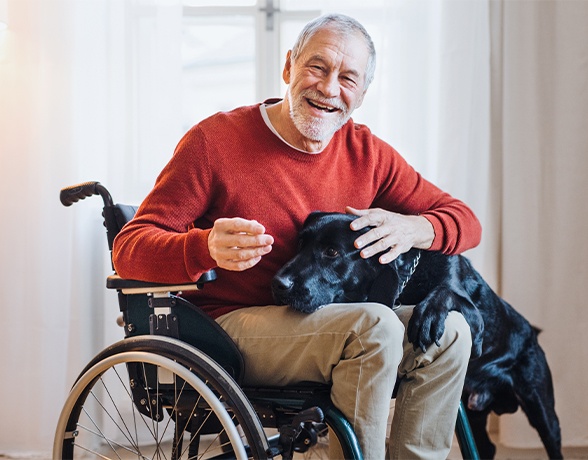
(172, 387)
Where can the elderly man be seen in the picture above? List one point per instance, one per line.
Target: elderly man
(234, 196)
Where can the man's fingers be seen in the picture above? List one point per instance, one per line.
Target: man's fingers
(362, 221)
(238, 244)
(355, 211)
(376, 234)
(390, 256)
(367, 217)
(246, 240)
(240, 265)
(239, 254)
(368, 250)
(240, 259)
(238, 225)
(390, 234)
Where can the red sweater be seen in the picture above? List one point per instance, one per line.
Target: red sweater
(232, 165)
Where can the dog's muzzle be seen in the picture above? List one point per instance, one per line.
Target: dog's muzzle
(285, 292)
(281, 287)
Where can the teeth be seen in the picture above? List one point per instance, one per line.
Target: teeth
(322, 107)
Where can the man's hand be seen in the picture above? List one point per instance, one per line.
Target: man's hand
(238, 244)
(393, 234)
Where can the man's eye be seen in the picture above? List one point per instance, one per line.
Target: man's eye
(331, 253)
(317, 69)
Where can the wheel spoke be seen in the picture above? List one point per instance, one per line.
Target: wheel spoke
(106, 415)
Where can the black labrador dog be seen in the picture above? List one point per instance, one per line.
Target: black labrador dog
(508, 368)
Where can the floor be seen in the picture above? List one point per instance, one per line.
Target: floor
(503, 453)
(571, 453)
(507, 453)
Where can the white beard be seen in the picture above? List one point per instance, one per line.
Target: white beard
(316, 129)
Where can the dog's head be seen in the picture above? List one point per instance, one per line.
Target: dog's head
(328, 268)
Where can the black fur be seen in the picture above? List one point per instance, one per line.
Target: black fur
(508, 368)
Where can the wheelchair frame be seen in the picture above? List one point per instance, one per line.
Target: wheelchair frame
(191, 378)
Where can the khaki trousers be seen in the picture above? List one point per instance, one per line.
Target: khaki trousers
(361, 348)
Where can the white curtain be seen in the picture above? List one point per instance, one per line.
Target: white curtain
(88, 91)
(541, 136)
(487, 98)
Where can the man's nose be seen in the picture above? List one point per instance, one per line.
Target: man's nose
(329, 86)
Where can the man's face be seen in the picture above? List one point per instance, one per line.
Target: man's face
(326, 83)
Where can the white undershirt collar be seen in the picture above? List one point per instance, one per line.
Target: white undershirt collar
(263, 109)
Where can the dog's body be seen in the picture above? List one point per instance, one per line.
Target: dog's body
(508, 367)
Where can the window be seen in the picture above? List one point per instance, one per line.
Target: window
(218, 54)
(233, 52)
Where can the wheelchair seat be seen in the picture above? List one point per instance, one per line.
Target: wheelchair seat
(180, 369)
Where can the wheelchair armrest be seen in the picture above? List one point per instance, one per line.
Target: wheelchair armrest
(127, 286)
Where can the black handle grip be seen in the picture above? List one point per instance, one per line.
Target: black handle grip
(312, 414)
(74, 193)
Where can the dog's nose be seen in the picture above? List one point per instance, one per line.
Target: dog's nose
(282, 284)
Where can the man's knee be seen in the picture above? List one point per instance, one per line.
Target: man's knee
(374, 320)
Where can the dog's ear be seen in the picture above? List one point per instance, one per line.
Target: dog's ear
(313, 217)
(384, 289)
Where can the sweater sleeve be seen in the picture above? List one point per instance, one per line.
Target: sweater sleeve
(407, 192)
(161, 244)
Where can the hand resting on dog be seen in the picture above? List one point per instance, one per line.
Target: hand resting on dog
(390, 234)
(508, 368)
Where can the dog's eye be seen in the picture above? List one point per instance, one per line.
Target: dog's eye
(331, 253)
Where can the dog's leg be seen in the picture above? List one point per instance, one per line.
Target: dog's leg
(478, 422)
(427, 324)
(542, 417)
(534, 389)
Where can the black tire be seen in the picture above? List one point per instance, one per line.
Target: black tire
(141, 397)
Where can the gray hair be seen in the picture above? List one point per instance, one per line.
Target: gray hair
(343, 25)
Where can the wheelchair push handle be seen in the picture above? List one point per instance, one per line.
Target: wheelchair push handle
(74, 193)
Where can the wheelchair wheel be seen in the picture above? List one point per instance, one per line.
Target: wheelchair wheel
(153, 397)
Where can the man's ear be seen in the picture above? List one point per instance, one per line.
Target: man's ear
(384, 289)
(287, 68)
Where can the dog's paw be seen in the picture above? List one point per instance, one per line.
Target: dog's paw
(426, 326)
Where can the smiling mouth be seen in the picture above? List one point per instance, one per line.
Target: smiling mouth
(324, 108)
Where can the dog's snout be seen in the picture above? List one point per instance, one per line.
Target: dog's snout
(282, 284)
